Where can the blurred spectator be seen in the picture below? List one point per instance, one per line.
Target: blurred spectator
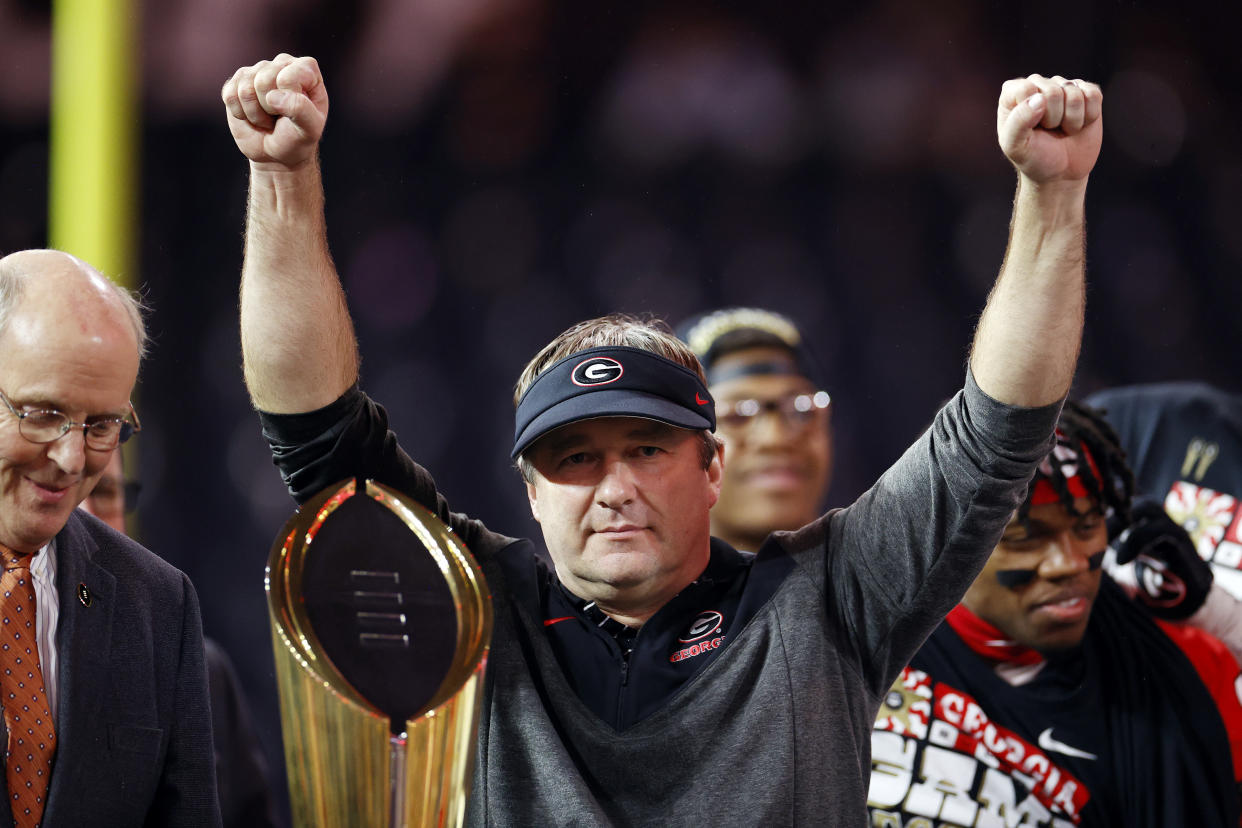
(1184, 442)
(775, 420)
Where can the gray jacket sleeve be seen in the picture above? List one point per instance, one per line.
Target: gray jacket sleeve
(905, 552)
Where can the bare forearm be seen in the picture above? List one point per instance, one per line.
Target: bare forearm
(297, 338)
(1027, 342)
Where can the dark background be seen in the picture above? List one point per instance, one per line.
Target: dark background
(498, 169)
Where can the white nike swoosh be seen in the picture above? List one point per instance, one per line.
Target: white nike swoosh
(1048, 743)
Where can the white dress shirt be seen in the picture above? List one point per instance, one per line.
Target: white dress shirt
(47, 613)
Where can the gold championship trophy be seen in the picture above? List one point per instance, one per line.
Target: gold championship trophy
(381, 622)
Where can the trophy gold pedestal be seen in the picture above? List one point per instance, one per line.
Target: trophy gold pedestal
(381, 622)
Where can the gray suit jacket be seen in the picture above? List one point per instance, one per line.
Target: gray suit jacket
(133, 724)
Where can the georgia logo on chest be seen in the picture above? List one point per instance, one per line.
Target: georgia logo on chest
(704, 634)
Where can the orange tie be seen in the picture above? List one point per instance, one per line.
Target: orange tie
(32, 736)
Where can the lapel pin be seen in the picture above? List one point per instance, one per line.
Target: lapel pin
(84, 595)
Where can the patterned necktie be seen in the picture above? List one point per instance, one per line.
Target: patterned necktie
(32, 737)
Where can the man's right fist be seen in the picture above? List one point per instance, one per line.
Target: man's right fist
(277, 110)
(1050, 128)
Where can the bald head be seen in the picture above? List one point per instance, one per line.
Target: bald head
(70, 342)
(62, 289)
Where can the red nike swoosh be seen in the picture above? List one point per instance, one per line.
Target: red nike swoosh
(549, 622)
(699, 399)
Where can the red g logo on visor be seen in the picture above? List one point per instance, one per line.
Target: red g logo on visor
(596, 371)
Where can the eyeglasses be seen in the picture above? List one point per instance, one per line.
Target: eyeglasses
(798, 411)
(49, 425)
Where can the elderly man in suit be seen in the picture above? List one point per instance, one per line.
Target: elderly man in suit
(102, 678)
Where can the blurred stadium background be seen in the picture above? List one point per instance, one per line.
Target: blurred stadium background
(498, 169)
